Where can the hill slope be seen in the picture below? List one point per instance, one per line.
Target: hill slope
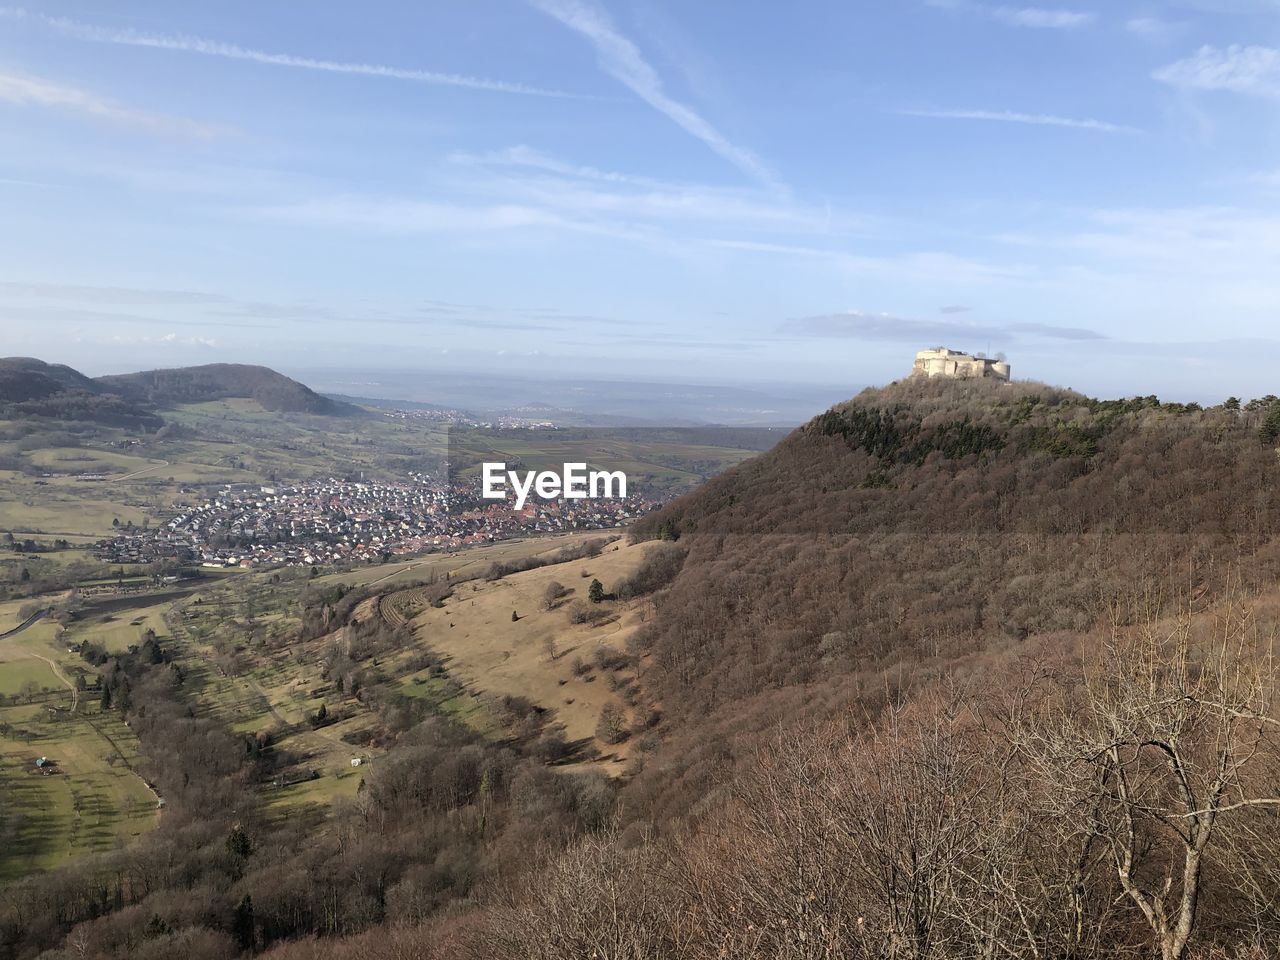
(926, 523)
(31, 388)
(221, 381)
(26, 378)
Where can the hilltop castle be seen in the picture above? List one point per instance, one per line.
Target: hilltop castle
(959, 366)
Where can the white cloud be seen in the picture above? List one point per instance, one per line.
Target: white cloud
(213, 48)
(934, 266)
(400, 215)
(532, 177)
(622, 60)
(1238, 69)
(1203, 264)
(857, 324)
(168, 340)
(1033, 17)
(546, 204)
(1153, 28)
(1267, 180)
(522, 156)
(29, 91)
(1034, 119)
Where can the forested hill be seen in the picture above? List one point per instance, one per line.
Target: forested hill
(955, 456)
(25, 378)
(31, 389)
(932, 521)
(221, 381)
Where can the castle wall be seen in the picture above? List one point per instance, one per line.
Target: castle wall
(960, 366)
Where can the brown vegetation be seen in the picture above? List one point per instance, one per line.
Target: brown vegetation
(958, 670)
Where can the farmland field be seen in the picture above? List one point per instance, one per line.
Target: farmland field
(90, 800)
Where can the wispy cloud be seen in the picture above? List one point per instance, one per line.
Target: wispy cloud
(622, 60)
(88, 306)
(1267, 180)
(1034, 119)
(525, 157)
(856, 324)
(509, 190)
(45, 315)
(213, 48)
(112, 295)
(1153, 28)
(1238, 69)
(1034, 17)
(28, 91)
(641, 217)
(409, 216)
(530, 176)
(935, 266)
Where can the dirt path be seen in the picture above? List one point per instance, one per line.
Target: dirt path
(57, 672)
(266, 702)
(396, 573)
(155, 465)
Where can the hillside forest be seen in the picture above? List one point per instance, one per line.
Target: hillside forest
(955, 670)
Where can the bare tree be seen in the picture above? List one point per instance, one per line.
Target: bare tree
(1172, 738)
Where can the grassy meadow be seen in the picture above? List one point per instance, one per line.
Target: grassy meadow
(91, 799)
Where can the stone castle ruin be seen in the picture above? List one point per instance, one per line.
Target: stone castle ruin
(958, 366)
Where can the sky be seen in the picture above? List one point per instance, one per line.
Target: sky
(729, 191)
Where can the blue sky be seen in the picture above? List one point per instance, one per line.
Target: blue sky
(739, 192)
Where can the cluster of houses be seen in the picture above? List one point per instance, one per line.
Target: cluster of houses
(453, 417)
(343, 521)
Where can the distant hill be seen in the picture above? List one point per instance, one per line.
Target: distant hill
(31, 388)
(222, 381)
(26, 378)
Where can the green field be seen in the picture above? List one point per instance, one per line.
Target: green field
(91, 800)
(90, 803)
(15, 675)
(117, 631)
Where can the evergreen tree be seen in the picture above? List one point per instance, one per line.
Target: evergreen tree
(1271, 425)
(595, 592)
(242, 923)
(238, 843)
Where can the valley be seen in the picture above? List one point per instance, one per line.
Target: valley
(640, 480)
(900, 588)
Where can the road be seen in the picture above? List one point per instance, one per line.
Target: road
(29, 622)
